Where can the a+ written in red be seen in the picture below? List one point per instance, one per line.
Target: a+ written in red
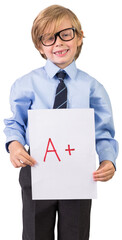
(69, 150)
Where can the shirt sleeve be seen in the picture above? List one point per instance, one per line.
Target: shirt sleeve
(106, 145)
(20, 101)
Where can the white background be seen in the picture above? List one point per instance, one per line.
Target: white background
(101, 57)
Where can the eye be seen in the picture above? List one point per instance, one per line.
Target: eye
(48, 37)
(67, 34)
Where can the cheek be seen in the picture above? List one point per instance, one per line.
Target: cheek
(41, 50)
(74, 45)
(74, 48)
(48, 51)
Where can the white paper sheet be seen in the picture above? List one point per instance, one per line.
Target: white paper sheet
(63, 143)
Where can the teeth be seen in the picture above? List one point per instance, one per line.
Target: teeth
(61, 52)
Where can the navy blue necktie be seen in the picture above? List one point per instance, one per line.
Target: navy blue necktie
(61, 92)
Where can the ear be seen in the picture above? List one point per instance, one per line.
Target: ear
(80, 39)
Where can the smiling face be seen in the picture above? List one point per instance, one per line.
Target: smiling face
(61, 53)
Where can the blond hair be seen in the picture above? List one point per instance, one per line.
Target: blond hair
(54, 14)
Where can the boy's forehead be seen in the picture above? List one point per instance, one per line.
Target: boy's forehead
(56, 26)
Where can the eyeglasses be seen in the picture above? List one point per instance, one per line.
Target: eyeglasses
(65, 35)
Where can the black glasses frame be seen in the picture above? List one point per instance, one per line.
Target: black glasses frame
(58, 35)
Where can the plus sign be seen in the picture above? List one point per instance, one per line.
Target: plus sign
(69, 149)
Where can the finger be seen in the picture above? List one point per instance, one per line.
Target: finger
(20, 161)
(17, 163)
(103, 173)
(27, 159)
(14, 164)
(103, 177)
(23, 160)
(105, 168)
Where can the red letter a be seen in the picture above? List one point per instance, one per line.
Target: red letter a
(54, 150)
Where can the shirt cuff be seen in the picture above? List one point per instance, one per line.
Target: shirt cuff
(107, 155)
(14, 138)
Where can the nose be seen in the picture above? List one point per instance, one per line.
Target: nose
(58, 42)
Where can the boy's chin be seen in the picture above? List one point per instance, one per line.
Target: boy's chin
(62, 64)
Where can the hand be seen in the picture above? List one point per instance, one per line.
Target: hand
(105, 171)
(19, 156)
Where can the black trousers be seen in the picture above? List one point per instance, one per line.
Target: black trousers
(39, 215)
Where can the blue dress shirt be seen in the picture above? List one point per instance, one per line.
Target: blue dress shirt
(37, 89)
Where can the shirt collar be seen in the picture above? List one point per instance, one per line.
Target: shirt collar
(52, 69)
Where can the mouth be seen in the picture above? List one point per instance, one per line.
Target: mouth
(61, 52)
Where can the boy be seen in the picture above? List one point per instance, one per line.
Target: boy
(58, 36)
